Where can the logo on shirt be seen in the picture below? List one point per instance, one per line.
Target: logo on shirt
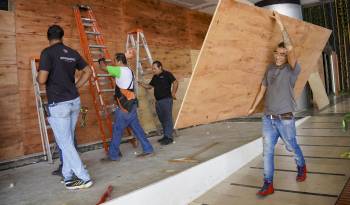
(65, 50)
(70, 60)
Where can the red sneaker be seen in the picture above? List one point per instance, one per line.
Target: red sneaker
(267, 189)
(301, 174)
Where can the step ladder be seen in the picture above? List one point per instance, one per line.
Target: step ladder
(101, 85)
(40, 101)
(136, 41)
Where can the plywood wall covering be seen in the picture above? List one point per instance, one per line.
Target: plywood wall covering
(169, 30)
(237, 49)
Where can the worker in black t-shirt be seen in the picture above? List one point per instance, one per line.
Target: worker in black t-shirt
(57, 67)
(165, 86)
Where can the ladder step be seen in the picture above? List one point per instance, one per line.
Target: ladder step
(107, 60)
(92, 33)
(103, 75)
(96, 46)
(144, 59)
(107, 90)
(88, 19)
(88, 24)
(85, 7)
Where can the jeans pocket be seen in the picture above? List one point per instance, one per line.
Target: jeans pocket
(59, 110)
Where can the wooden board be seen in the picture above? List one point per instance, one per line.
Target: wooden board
(169, 29)
(319, 94)
(237, 49)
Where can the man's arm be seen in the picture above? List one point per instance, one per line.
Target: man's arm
(287, 42)
(174, 89)
(84, 77)
(258, 99)
(145, 85)
(42, 76)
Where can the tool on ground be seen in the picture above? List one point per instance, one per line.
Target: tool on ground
(83, 110)
(41, 107)
(191, 158)
(106, 195)
(101, 85)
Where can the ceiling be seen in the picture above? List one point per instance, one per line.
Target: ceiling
(208, 6)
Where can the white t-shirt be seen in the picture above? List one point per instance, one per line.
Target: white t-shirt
(123, 76)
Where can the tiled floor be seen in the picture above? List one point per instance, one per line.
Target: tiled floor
(322, 140)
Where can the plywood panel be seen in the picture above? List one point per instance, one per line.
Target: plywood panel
(164, 24)
(169, 30)
(238, 47)
(198, 24)
(7, 22)
(318, 91)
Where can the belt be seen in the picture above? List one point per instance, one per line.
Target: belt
(284, 116)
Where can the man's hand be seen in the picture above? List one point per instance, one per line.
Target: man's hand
(144, 85)
(173, 95)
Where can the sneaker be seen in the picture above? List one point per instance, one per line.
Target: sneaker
(301, 173)
(78, 184)
(167, 141)
(161, 139)
(108, 159)
(58, 171)
(69, 181)
(145, 154)
(267, 189)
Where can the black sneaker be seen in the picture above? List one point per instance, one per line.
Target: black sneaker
(161, 139)
(78, 184)
(167, 141)
(58, 171)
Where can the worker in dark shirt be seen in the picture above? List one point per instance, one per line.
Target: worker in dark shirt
(57, 67)
(165, 86)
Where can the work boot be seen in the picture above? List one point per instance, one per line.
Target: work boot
(267, 189)
(58, 171)
(301, 173)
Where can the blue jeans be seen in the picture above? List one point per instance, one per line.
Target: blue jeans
(60, 151)
(164, 108)
(122, 121)
(63, 118)
(272, 130)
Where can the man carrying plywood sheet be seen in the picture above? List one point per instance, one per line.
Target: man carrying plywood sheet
(278, 120)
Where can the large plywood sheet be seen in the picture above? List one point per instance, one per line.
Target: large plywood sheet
(238, 47)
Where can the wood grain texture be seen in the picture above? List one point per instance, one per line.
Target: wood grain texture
(319, 94)
(237, 49)
(169, 30)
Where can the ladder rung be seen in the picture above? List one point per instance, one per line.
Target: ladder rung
(144, 59)
(42, 91)
(107, 90)
(88, 24)
(92, 33)
(96, 46)
(103, 75)
(107, 60)
(88, 19)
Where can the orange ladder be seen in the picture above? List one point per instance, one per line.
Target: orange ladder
(101, 85)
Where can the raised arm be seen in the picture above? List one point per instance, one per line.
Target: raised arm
(287, 42)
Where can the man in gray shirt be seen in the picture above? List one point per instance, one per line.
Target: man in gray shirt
(278, 120)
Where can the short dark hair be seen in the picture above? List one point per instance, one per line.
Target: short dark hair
(158, 63)
(55, 32)
(120, 57)
(281, 45)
